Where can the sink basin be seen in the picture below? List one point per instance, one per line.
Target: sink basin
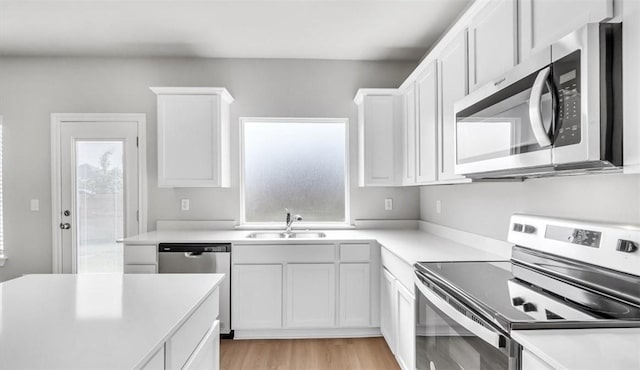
(281, 235)
(308, 234)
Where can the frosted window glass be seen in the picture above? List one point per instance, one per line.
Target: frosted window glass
(294, 165)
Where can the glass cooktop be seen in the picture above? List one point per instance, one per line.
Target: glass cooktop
(516, 296)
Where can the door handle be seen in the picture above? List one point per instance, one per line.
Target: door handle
(535, 115)
(65, 226)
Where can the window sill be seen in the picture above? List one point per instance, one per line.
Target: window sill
(2, 260)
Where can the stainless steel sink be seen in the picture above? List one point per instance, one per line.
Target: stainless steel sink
(281, 235)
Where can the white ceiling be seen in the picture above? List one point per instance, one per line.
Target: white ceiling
(309, 29)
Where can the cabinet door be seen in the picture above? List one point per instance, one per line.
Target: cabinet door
(453, 87)
(387, 309)
(377, 126)
(206, 355)
(405, 329)
(409, 137)
(311, 295)
(492, 42)
(426, 162)
(188, 140)
(355, 297)
(543, 22)
(256, 297)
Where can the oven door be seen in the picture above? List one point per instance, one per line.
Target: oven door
(449, 336)
(507, 125)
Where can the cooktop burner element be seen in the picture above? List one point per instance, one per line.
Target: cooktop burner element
(562, 274)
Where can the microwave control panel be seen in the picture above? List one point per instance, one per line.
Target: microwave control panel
(566, 72)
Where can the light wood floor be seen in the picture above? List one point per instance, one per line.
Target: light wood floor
(299, 354)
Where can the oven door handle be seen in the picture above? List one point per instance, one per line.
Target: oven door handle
(493, 338)
(535, 114)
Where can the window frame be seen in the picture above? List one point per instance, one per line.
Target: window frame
(302, 224)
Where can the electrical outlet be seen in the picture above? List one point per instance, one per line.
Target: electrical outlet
(438, 206)
(388, 204)
(35, 205)
(184, 204)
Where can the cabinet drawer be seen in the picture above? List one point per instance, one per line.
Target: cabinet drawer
(283, 253)
(183, 343)
(401, 270)
(140, 254)
(206, 356)
(140, 269)
(355, 252)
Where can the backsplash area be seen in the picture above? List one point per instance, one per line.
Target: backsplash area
(485, 208)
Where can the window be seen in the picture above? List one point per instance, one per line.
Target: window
(299, 164)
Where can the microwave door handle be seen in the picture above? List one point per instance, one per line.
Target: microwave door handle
(535, 115)
(488, 335)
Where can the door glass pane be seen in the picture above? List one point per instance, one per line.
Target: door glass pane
(294, 165)
(100, 206)
(499, 126)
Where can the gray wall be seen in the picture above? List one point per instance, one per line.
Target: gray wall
(33, 88)
(485, 208)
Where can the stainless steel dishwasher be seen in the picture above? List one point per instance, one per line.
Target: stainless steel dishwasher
(203, 258)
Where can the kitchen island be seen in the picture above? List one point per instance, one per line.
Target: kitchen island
(109, 321)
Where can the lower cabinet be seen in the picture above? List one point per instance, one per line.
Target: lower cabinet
(533, 362)
(196, 343)
(311, 295)
(305, 290)
(355, 294)
(257, 296)
(397, 312)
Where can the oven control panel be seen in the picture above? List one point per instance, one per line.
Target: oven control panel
(583, 237)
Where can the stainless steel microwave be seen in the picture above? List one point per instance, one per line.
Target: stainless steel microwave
(559, 111)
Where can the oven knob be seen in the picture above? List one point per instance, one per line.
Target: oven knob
(517, 301)
(529, 307)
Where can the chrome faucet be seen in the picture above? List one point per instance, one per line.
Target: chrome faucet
(290, 220)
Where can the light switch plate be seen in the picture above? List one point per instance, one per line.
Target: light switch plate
(388, 204)
(35, 205)
(438, 206)
(184, 204)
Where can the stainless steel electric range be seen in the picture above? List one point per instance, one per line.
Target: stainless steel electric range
(562, 274)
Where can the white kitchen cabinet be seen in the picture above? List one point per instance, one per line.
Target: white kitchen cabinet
(387, 309)
(355, 295)
(405, 328)
(427, 125)
(492, 42)
(140, 259)
(379, 137)
(193, 137)
(543, 22)
(257, 296)
(317, 289)
(409, 136)
(453, 87)
(207, 354)
(311, 295)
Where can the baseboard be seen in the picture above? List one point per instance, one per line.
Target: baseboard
(307, 333)
(495, 246)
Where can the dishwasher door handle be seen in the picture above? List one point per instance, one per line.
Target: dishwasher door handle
(193, 254)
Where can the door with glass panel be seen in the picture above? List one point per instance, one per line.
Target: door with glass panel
(99, 194)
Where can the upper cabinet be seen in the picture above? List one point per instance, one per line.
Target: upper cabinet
(492, 42)
(409, 135)
(427, 124)
(193, 136)
(379, 137)
(543, 22)
(453, 87)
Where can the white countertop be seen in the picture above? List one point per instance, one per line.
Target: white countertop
(597, 349)
(411, 245)
(108, 321)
